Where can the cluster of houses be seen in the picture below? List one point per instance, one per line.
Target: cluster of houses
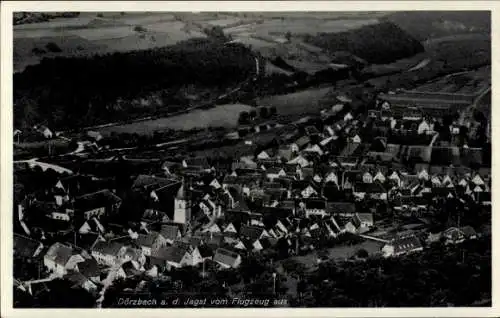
(287, 199)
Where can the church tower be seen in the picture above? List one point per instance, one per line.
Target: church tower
(182, 206)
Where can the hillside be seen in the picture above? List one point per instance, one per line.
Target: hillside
(50, 90)
(424, 25)
(379, 43)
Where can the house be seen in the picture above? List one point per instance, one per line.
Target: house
(213, 228)
(363, 221)
(206, 252)
(103, 202)
(44, 131)
(308, 191)
(26, 247)
(275, 172)
(253, 232)
(151, 241)
(80, 280)
(314, 149)
(91, 226)
(402, 245)
(373, 190)
(200, 163)
(342, 209)
(226, 258)
(108, 253)
(300, 144)
(60, 258)
(128, 269)
(175, 257)
(455, 235)
(315, 207)
(90, 269)
(94, 135)
(300, 161)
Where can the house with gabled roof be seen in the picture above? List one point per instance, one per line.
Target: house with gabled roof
(103, 202)
(26, 247)
(315, 207)
(227, 258)
(108, 253)
(300, 144)
(175, 256)
(300, 161)
(343, 209)
(60, 258)
(151, 241)
(402, 245)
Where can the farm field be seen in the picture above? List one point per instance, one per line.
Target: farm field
(295, 103)
(220, 116)
(98, 33)
(466, 83)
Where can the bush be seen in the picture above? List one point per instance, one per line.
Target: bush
(244, 118)
(52, 47)
(139, 28)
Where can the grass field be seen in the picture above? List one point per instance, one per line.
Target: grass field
(97, 33)
(307, 101)
(220, 116)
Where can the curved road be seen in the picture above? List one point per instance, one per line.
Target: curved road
(468, 112)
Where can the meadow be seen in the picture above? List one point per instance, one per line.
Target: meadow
(306, 101)
(220, 116)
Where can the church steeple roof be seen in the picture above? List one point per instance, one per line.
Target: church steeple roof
(181, 193)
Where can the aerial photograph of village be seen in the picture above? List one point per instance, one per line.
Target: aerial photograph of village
(252, 159)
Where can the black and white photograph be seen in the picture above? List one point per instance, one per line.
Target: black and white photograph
(251, 159)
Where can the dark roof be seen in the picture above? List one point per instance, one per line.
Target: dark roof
(25, 246)
(171, 253)
(77, 278)
(108, 248)
(302, 141)
(151, 182)
(200, 162)
(205, 251)
(280, 212)
(252, 232)
(147, 239)
(84, 241)
(315, 204)
(374, 187)
(169, 232)
(311, 130)
(468, 231)
(341, 207)
(97, 199)
(89, 268)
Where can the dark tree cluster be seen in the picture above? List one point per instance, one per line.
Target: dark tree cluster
(79, 91)
(380, 43)
(442, 276)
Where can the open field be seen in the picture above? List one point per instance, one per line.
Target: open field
(220, 116)
(295, 103)
(341, 252)
(98, 33)
(469, 83)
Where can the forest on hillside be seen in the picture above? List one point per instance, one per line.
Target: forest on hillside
(79, 91)
(380, 43)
